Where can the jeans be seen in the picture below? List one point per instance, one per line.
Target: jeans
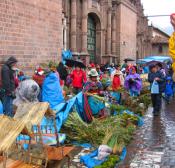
(7, 102)
(133, 93)
(156, 102)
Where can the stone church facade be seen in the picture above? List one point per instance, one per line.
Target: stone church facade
(30, 30)
(100, 30)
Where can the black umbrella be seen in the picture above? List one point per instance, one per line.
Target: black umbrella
(164, 65)
(74, 63)
(128, 59)
(70, 62)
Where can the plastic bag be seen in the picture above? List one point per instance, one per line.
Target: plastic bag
(103, 152)
(155, 88)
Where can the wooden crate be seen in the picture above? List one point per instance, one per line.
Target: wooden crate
(16, 164)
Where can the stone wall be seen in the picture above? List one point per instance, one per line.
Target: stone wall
(128, 29)
(31, 31)
(156, 50)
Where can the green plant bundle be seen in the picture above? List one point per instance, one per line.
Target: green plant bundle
(80, 131)
(109, 131)
(118, 137)
(128, 119)
(117, 108)
(110, 162)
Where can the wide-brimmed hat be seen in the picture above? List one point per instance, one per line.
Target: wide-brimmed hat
(93, 73)
(117, 73)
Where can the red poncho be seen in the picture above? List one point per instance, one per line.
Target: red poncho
(116, 83)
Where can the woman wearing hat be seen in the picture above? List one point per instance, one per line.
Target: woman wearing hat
(93, 86)
(116, 82)
(117, 78)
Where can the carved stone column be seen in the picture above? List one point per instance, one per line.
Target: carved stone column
(109, 32)
(73, 25)
(114, 35)
(84, 27)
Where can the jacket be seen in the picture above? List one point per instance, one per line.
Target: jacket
(162, 82)
(78, 78)
(7, 75)
(116, 83)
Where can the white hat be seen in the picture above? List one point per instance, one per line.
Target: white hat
(93, 73)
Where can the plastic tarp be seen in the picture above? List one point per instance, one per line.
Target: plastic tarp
(66, 54)
(90, 160)
(95, 105)
(140, 119)
(1, 108)
(52, 91)
(62, 111)
(165, 59)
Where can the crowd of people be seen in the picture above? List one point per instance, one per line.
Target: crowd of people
(47, 84)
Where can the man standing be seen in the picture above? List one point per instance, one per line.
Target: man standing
(8, 84)
(157, 77)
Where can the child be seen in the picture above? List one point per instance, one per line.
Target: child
(168, 89)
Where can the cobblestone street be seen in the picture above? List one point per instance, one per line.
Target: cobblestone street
(154, 143)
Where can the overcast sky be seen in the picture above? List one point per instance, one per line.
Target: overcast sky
(160, 7)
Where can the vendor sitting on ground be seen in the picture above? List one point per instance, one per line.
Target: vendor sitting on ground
(26, 92)
(93, 86)
(133, 83)
(51, 89)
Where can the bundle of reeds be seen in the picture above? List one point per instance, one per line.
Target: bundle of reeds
(32, 113)
(9, 130)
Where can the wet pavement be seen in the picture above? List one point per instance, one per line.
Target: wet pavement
(154, 143)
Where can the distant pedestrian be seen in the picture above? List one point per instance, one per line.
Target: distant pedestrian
(157, 81)
(8, 84)
(133, 83)
(168, 89)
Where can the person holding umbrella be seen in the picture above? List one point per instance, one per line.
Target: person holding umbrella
(157, 82)
(78, 77)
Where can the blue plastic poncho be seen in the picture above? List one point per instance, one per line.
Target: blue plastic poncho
(51, 90)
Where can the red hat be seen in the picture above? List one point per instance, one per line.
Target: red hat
(92, 65)
(39, 71)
